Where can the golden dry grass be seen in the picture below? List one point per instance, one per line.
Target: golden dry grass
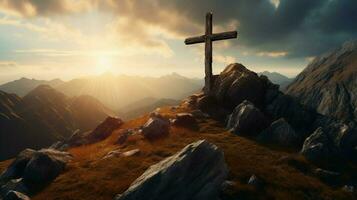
(90, 177)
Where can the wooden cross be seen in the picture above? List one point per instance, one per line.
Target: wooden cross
(208, 38)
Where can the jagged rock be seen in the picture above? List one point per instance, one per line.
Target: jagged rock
(156, 127)
(185, 120)
(13, 195)
(196, 172)
(105, 129)
(236, 84)
(281, 133)
(329, 83)
(317, 147)
(246, 119)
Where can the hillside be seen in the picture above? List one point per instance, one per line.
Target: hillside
(44, 116)
(89, 176)
(329, 83)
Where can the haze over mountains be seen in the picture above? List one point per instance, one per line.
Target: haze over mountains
(113, 91)
(277, 78)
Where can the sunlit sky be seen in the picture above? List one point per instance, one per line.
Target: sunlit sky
(46, 39)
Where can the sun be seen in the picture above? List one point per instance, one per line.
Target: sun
(103, 64)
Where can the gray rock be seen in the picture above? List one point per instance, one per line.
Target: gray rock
(13, 195)
(105, 129)
(44, 166)
(156, 127)
(318, 147)
(246, 119)
(17, 167)
(196, 172)
(185, 120)
(31, 170)
(281, 133)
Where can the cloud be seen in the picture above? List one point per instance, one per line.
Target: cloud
(273, 54)
(304, 28)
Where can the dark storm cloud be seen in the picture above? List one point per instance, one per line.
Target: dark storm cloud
(300, 27)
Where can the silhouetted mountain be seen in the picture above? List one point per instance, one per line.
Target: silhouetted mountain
(24, 85)
(118, 91)
(277, 78)
(329, 83)
(143, 106)
(44, 116)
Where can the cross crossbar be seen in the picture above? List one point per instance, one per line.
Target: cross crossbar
(208, 38)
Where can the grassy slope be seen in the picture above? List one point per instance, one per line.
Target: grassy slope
(91, 178)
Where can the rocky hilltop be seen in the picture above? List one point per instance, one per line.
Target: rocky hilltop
(329, 83)
(245, 140)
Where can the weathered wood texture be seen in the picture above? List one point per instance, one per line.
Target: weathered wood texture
(208, 38)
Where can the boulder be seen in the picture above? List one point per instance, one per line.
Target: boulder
(105, 129)
(17, 167)
(196, 172)
(13, 195)
(155, 127)
(318, 147)
(185, 120)
(32, 170)
(246, 119)
(44, 166)
(281, 133)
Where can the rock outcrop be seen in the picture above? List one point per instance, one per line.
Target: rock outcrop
(246, 119)
(196, 172)
(32, 170)
(281, 133)
(329, 83)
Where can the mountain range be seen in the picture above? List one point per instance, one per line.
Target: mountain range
(277, 78)
(115, 91)
(44, 116)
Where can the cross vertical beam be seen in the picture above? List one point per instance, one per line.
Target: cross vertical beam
(208, 38)
(208, 54)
